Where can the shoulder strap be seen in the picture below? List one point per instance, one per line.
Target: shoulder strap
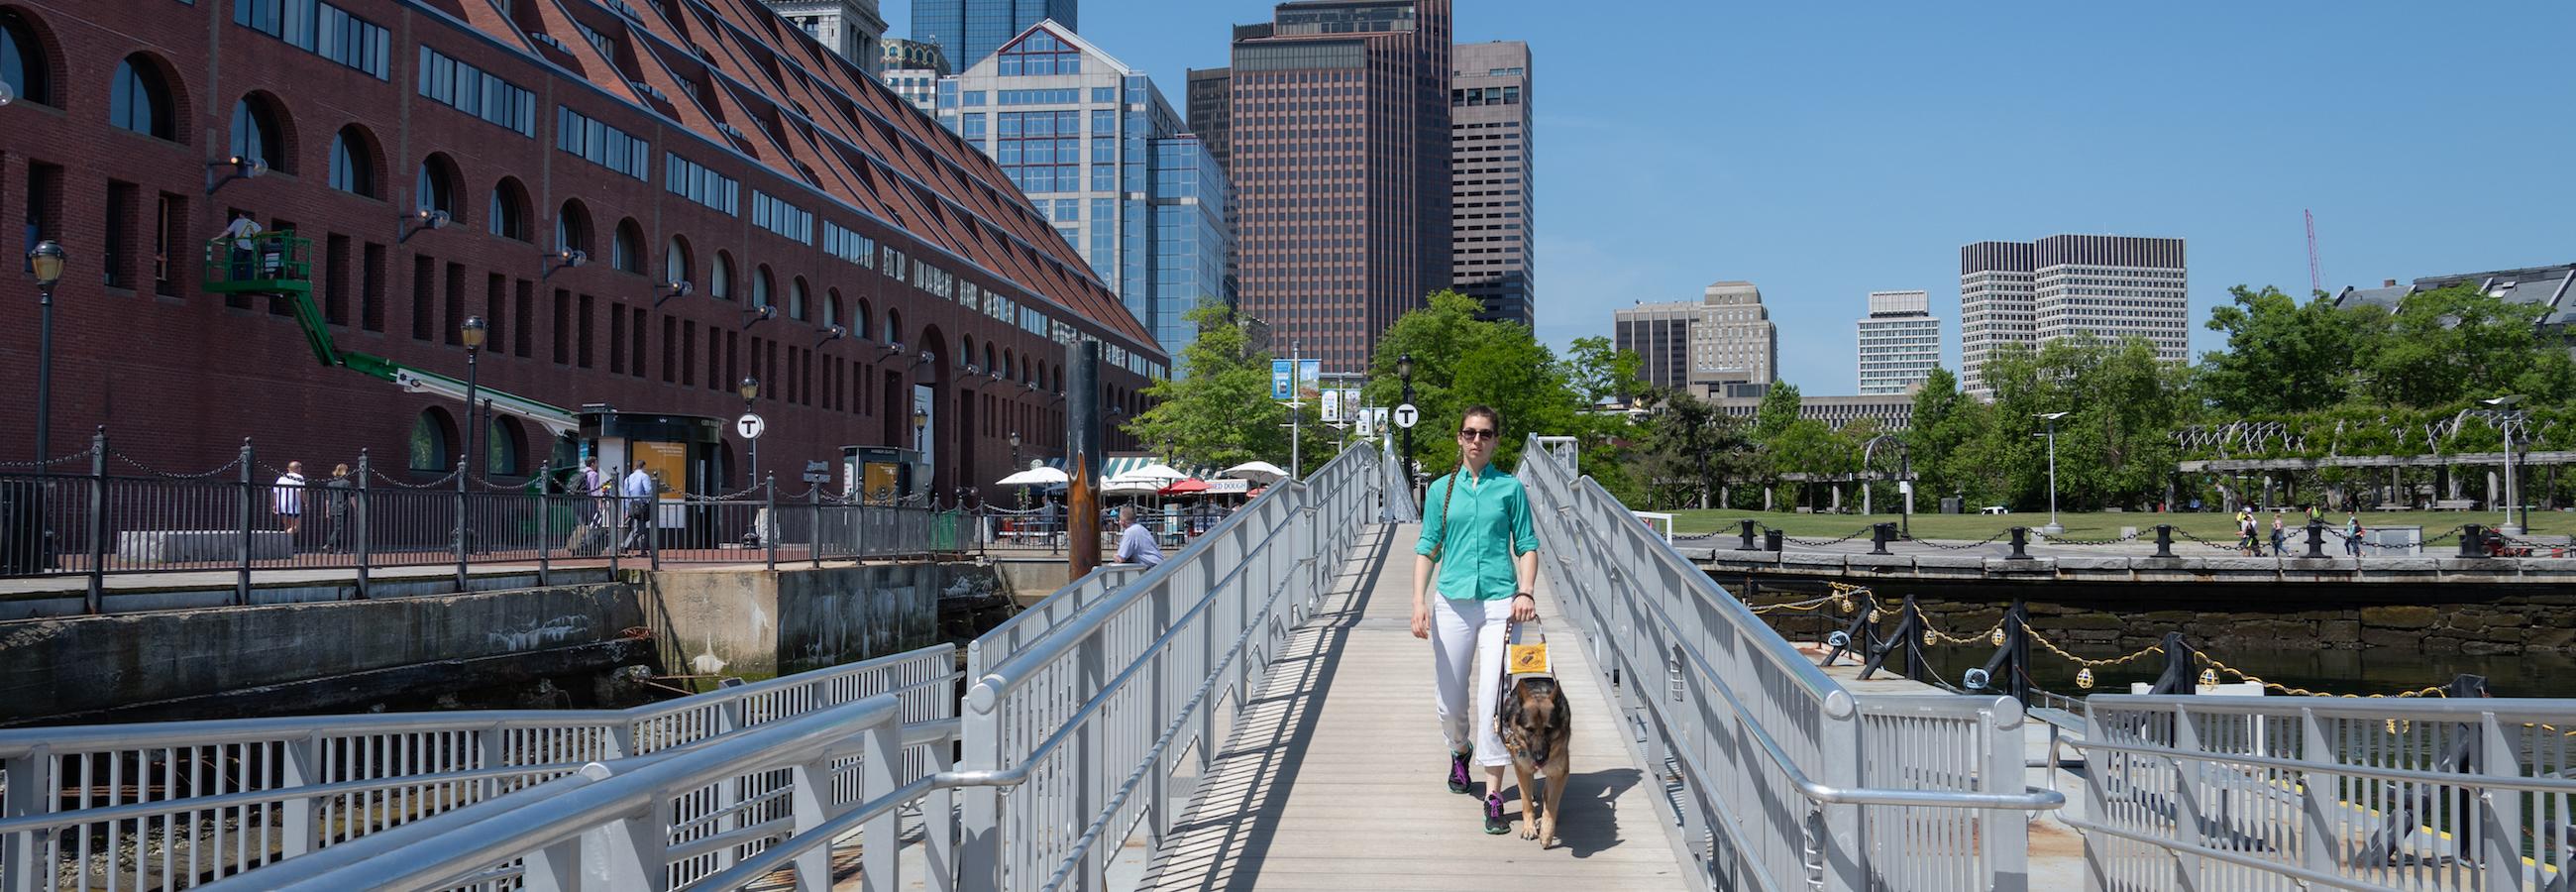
(1443, 544)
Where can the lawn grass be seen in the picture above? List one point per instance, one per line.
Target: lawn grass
(2090, 525)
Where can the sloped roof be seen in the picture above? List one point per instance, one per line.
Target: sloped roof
(1065, 34)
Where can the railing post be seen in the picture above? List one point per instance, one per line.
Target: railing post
(1748, 535)
(768, 520)
(814, 524)
(28, 868)
(880, 761)
(545, 524)
(97, 521)
(241, 584)
(298, 769)
(2316, 539)
(460, 525)
(2473, 541)
(2020, 544)
(1879, 535)
(979, 850)
(2164, 540)
(358, 512)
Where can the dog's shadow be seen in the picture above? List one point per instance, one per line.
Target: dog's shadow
(1590, 819)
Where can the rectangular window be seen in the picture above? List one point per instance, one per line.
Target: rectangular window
(496, 308)
(424, 294)
(849, 245)
(563, 327)
(119, 250)
(455, 305)
(583, 323)
(468, 89)
(732, 360)
(782, 218)
(371, 289)
(636, 346)
(169, 244)
(321, 29)
(973, 127)
(688, 353)
(523, 319)
(335, 280)
(670, 344)
(690, 180)
(600, 144)
(616, 339)
(1104, 94)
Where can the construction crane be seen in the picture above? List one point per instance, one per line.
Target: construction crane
(2316, 277)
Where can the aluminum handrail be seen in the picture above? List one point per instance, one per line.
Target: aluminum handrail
(2562, 786)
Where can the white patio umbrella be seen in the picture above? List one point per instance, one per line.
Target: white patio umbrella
(1257, 471)
(1125, 486)
(1157, 473)
(1039, 476)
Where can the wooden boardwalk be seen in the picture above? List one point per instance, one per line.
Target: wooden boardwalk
(1334, 776)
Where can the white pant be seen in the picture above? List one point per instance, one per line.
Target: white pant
(1467, 642)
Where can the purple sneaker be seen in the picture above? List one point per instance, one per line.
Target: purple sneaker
(1494, 821)
(1457, 772)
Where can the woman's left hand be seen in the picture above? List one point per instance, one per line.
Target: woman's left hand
(1524, 608)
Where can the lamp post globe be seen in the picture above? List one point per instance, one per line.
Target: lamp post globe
(46, 261)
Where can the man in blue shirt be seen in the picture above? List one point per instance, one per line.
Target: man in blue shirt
(1135, 545)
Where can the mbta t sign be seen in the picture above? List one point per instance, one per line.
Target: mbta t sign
(749, 426)
(1406, 415)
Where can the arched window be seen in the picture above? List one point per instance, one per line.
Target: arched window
(628, 253)
(965, 350)
(989, 367)
(509, 211)
(258, 135)
(796, 298)
(435, 188)
(675, 261)
(432, 441)
(572, 227)
(760, 287)
(139, 99)
(720, 277)
(832, 307)
(353, 162)
(23, 65)
(862, 321)
(503, 448)
(894, 327)
(1010, 367)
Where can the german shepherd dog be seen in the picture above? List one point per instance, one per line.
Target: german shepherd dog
(1538, 730)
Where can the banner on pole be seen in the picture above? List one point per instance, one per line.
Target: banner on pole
(1333, 406)
(1280, 377)
(1310, 377)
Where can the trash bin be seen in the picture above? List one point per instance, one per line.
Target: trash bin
(24, 549)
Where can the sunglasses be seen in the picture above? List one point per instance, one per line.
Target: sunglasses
(1478, 433)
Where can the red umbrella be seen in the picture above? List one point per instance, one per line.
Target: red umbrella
(1185, 487)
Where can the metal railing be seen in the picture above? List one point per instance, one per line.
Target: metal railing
(96, 513)
(1077, 732)
(1779, 777)
(180, 804)
(2201, 792)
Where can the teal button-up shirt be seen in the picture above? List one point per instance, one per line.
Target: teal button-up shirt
(1485, 524)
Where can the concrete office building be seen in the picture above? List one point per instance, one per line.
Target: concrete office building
(1720, 345)
(968, 30)
(1102, 156)
(1894, 412)
(2036, 292)
(850, 28)
(912, 69)
(1211, 108)
(1900, 342)
(1339, 152)
(1492, 181)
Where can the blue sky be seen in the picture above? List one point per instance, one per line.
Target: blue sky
(1825, 150)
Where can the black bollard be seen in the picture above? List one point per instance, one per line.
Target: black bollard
(2316, 539)
(2020, 544)
(1748, 537)
(1879, 535)
(2164, 540)
(2473, 541)
(1771, 540)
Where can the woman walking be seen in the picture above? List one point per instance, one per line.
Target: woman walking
(1480, 544)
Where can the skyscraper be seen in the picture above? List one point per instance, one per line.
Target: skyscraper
(2112, 286)
(1339, 152)
(1900, 342)
(1492, 181)
(968, 30)
(1723, 344)
(1103, 157)
(850, 27)
(1211, 108)
(913, 68)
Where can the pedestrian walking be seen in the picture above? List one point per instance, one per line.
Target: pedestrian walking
(595, 488)
(286, 498)
(640, 491)
(1482, 548)
(2279, 536)
(2245, 542)
(337, 495)
(2352, 535)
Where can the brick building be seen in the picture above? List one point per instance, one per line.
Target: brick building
(705, 142)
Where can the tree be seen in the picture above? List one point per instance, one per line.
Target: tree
(1599, 372)
(1220, 413)
(2114, 447)
(1944, 421)
(2454, 344)
(2281, 356)
(1460, 361)
(1779, 409)
(1690, 451)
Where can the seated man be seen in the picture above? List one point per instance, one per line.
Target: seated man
(1135, 544)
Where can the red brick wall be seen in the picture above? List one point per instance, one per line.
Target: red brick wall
(179, 380)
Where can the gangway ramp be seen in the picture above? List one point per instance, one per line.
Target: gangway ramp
(1332, 776)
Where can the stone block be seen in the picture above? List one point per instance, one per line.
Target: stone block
(2402, 639)
(1881, 562)
(1694, 554)
(2034, 565)
(2081, 621)
(2443, 645)
(2398, 616)
(2339, 631)
(1960, 560)
(2234, 565)
(2095, 563)
(2168, 616)
(2489, 648)
(2374, 566)
(1812, 558)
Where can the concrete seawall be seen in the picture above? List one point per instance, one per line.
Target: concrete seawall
(754, 623)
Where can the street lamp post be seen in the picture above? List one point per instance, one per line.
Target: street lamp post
(750, 390)
(47, 261)
(921, 428)
(2506, 418)
(1015, 467)
(475, 331)
(1404, 373)
(2051, 418)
